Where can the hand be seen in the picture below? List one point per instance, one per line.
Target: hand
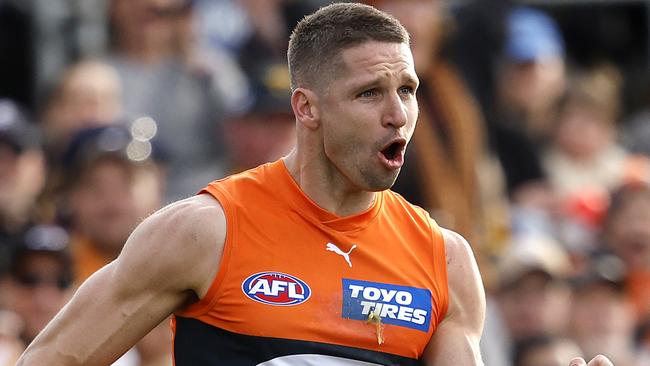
(599, 360)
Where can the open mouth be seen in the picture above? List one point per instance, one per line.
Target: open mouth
(393, 153)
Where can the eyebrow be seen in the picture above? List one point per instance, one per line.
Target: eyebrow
(408, 79)
(368, 85)
(413, 80)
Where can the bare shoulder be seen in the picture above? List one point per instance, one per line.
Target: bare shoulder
(467, 296)
(184, 239)
(197, 217)
(456, 340)
(456, 247)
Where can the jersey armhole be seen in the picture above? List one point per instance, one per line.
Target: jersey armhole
(440, 269)
(208, 301)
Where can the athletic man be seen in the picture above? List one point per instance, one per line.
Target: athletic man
(309, 260)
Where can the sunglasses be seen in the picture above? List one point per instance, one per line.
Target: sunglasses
(32, 280)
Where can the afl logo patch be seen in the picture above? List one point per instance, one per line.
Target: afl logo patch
(276, 288)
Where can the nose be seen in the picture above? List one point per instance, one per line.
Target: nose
(395, 112)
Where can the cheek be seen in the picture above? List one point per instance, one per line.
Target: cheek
(348, 145)
(413, 113)
(340, 133)
(351, 133)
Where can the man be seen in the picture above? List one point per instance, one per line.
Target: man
(603, 318)
(308, 260)
(544, 350)
(530, 80)
(22, 168)
(153, 53)
(533, 296)
(88, 94)
(107, 190)
(266, 130)
(39, 278)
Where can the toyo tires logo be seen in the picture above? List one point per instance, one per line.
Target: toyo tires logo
(276, 288)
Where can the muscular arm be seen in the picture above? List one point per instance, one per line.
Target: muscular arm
(456, 341)
(168, 260)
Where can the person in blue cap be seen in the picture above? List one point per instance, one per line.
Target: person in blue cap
(533, 73)
(531, 78)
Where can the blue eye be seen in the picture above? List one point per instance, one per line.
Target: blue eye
(407, 90)
(368, 93)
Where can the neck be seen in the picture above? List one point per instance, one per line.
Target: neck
(325, 185)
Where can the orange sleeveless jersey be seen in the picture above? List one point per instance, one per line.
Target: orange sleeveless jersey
(297, 284)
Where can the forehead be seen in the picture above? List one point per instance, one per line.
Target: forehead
(98, 168)
(378, 59)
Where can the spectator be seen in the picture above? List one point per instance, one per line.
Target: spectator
(530, 81)
(22, 174)
(627, 233)
(152, 50)
(533, 297)
(544, 350)
(112, 182)
(89, 94)
(108, 188)
(584, 152)
(533, 71)
(39, 278)
(266, 131)
(21, 179)
(584, 160)
(39, 285)
(602, 319)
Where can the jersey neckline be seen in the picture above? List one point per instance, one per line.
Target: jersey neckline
(306, 207)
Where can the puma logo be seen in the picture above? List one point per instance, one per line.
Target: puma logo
(333, 248)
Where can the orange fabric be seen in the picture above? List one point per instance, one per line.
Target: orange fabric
(273, 226)
(172, 326)
(638, 289)
(87, 259)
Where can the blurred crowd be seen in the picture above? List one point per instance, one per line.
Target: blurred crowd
(110, 109)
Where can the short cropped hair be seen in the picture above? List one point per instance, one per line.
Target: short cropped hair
(317, 41)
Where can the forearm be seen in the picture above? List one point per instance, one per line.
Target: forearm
(94, 328)
(150, 280)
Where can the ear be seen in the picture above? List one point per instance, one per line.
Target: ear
(304, 103)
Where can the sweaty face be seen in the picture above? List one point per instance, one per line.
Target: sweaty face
(368, 114)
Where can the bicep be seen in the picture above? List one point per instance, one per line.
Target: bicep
(456, 340)
(453, 344)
